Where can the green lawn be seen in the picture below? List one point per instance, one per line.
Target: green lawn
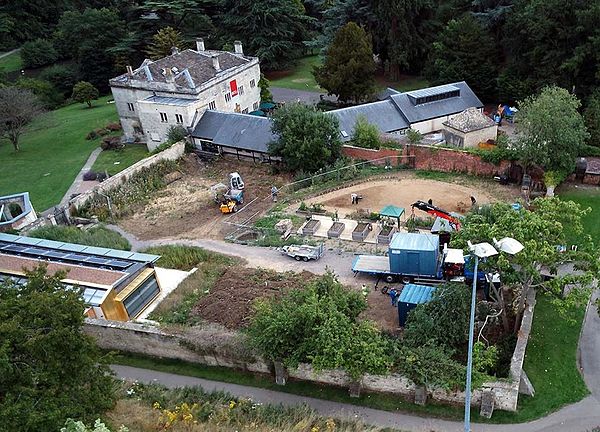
(53, 151)
(586, 197)
(300, 78)
(11, 63)
(114, 161)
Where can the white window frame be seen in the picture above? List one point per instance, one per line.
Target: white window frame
(245, 111)
(164, 118)
(212, 105)
(130, 106)
(241, 90)
(178, 118)
(252, 83)
(254, 106)
(228, 97)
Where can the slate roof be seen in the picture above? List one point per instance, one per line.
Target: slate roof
(383, 114)
(470, 120)
(399, 110)
(418, 113)
(235, 130)
(199, 66)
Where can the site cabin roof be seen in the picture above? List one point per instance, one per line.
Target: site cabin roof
(392, 211)
(415, 242)
(416, 294)
(190, 69)
(243, 131)
(470, 120)
(24, 202)
(454, 256)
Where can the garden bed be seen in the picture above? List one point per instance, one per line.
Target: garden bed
(385, 235)
(336, 230)
(361, 231)
(311, 227)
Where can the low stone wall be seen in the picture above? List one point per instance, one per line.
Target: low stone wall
(211, 344)
(172, 153)
(425, 157)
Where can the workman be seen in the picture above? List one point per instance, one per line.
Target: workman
(354, 198)
(394, 295)
(274, 192)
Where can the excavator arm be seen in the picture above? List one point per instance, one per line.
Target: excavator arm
(436, 211)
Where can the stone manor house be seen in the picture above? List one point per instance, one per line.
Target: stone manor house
(176, 90)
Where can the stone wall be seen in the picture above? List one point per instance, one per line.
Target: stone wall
(428, 158)
(172, 153)
(213, 347)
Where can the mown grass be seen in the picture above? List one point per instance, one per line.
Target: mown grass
(177, 307)
(115, 161)
(97, 236)
(53, 151)
(11, 63)
(586, 197)
(300, 77)
(405, 83)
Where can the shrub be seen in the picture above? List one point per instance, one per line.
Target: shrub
(97, 236)
(176, 134)
(365, 134)
(113, 127)
(45, 91)
(62, 77)
(414, 136)
(85, 92)
(39, 52)
(185, 257)
(111, 143)
(90, 175)
(92, 135)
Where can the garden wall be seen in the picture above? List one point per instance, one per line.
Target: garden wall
(432, 158)
(151, 341)
(172, 153)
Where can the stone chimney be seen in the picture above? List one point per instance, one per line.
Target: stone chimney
(174, 50)
(169, 75)
(238, 47)
(129, 71)
(216, 65)
(200, 45)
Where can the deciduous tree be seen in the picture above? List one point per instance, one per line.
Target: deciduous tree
(49, 369)
(365, 134)
(591, 116)
(39, 52)
(349, 69)
(551, 130)
(85, 92)
(18, 107)
(308, 140)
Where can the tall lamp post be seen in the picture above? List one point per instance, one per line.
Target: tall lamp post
(482, 250)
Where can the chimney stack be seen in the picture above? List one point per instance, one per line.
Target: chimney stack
(238, 47)
(129, 71)
(174, 50)
(200, 45)
(216, 64)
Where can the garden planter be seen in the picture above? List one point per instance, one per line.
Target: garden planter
(385, 235)
(311, 227)
(361, 231)
(336, 230)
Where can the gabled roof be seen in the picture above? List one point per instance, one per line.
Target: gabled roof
(416, 294)
(236, 130)
(189, 68)
(415, 113)
(383, 114)
(470, 120)
(392, 211)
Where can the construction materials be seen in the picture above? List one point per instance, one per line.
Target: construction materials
(304, 252)
(228, 206)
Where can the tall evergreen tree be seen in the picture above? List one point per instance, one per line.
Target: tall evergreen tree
(163, 42)
(465, 52)
(273, 30)
(348, 70)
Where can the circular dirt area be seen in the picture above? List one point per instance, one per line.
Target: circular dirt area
(402, 192)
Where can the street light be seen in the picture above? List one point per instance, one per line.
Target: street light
(482, 250)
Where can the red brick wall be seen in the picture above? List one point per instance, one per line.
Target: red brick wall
(429, 158)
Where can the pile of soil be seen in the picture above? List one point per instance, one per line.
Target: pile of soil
(231, 299)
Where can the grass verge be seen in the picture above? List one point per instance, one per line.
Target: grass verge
(115, 161)
(53, 150)
(586, 197)
(11, 63)
(299, 78)
(550, 364)
(98, 236)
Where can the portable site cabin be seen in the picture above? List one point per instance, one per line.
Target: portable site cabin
(415, 254)
(411, 296)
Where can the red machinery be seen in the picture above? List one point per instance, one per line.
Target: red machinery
(435, 211)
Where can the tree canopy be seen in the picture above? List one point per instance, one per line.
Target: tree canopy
(85, 92)
(366, 134)
(49, 369)
(163, 42)
(18, 107)
(349, 69)
(551, 131)
(307, 140)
